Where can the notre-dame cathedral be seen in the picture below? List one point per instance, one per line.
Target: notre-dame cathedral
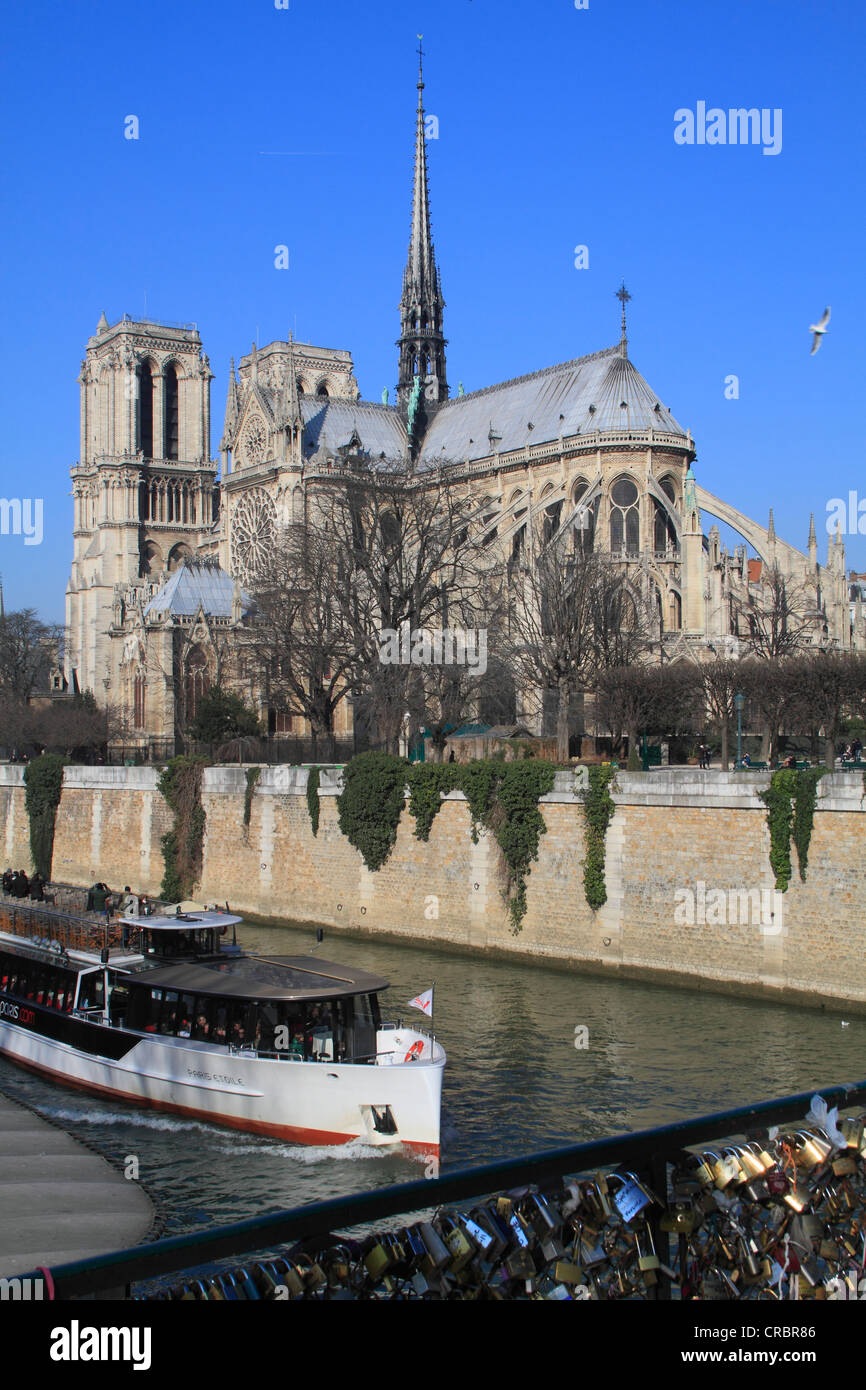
(165, 541)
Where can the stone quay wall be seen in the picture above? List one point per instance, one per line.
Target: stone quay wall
(684, 851)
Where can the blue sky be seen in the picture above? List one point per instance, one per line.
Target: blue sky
(261, 127)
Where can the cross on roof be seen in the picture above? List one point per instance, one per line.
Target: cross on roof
(623, 296)
(420, 61)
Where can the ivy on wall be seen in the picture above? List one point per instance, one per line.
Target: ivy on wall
(371, 803)
(598, 811)
(180, 783)
(428, 782)
(253, 775)
(313, 798)
(43, 780)
(790, 800)
(502, 797)
(521, 826)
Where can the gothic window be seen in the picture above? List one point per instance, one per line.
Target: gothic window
(151, 559)
(585, 521)
(675, 612)
(177, 556)
(252, 535)
(171, 413)
(145, 410)
(138, 708)
(552, 516)
(196, 681)
(624, 517)
(664, 531)
(322, 391)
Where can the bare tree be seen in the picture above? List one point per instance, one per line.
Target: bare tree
(777, 617)
(571, 616)
(303, 640)
(824, 686)
(411, 566)
(720, 681)
(28, 648)
(632, 700)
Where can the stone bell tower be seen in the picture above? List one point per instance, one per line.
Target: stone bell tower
(144, 489)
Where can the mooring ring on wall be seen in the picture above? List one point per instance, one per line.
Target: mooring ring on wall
(263, 866)
(475, 886)
(363, 910)
(339, 907)
(605, 940)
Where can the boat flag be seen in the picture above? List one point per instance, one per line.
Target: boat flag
(424, 1002)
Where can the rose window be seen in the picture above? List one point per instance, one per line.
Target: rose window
(255, 439)
(253, 527)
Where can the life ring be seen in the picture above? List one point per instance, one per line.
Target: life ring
(414, 1051)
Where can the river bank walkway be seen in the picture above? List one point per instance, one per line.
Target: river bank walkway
(59, 1201)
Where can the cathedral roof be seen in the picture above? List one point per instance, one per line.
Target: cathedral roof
(197, 586)
(603, 391)
(330, 424)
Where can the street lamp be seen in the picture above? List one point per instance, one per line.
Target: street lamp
(739, 701)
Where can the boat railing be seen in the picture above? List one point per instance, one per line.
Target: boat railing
(48, 926)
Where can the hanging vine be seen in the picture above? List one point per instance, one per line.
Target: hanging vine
(598, 811)
(43, 780)
(253, 775)
(313, 798)
(779, 801)
(371, 803)
(804, 813)
(427, 783)
(180, 783)
(522, 826)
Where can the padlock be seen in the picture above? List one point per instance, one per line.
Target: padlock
(520, 1264)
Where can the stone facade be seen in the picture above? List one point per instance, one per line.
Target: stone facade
(674, 834)
(583, 450)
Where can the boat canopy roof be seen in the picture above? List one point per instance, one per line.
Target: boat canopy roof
(182, 921)
(265, 977)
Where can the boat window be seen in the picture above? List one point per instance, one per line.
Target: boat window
(185, 1015)
(202, 1023)
(366, 1026)
(168, 1012)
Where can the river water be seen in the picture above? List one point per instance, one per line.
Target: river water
(514, 1081)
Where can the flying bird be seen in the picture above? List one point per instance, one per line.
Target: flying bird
(819, 329)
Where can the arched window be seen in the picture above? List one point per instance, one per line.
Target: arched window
(624, 517)
(145, 410)
(177, 556)
(151, 560)
(322, 391)
(170, 414)
(196, 681)
(585, 521)
(552, 518)
(675, 611)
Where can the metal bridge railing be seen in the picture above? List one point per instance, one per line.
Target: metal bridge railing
(646, 1152)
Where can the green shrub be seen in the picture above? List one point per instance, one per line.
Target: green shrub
(522, 825)
(313, 798)
(43, 780)
(371, 803)
(180, 783)
(427, 782)
(598, 810)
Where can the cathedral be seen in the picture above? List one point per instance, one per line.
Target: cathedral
(168, 543)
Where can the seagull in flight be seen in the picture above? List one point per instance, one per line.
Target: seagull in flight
(818, 329)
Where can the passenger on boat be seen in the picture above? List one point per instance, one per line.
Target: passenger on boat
(21, 886)
(37, 883)
(7, 881)
(98, 898)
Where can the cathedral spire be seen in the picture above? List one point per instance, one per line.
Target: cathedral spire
(421, 341)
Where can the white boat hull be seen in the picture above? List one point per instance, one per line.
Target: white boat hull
(308, 1102)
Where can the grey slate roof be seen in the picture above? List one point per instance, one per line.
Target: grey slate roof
(555, 401)
(194, 586)
(329, 424)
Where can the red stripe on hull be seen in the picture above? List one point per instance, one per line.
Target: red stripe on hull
(290, 1132)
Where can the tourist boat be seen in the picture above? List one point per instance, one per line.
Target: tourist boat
(167, 1012)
